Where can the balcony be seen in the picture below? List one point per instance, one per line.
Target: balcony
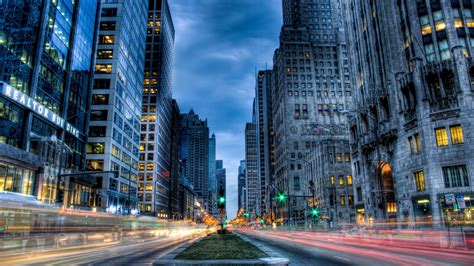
(444, 108)
(387, 130)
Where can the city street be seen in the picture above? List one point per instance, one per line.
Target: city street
(311, 248)
(134, 253)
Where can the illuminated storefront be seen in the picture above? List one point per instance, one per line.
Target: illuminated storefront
(16, 179)
(457, 208)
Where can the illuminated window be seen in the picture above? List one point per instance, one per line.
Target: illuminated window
(105, 54)
(457, 136)
(149, 166)
(348, 157)
(391, 207)
(107, 25)
(341, 180)
(441, 137)
(106, 39)
(349, 180)
(141, 166)
(342, 200)
(95, 147)
(115, 151)
(149, 187)
(95, 165)
(425, 25)
(419, 180)
(100, 99)
(350, 200)
(332, 180)
(144, 118)
(417, 142)
(142, 147)
(152, 118)
(339, 157)
(103, 68)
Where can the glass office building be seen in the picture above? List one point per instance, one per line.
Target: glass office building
(46, 58)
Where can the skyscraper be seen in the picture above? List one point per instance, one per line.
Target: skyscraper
(46, 61)
(156, 128)
(212, 176)
(412, 132)
(195, 155)
(252, 182)
(175, 174)
(311, 88)
(241, 185)
(264, 124)
(117, 101)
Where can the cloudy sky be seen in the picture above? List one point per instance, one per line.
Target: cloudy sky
(219, 45)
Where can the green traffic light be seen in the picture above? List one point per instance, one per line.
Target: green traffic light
(221, 200)
(247, 214)
(315, 212)
(281, 197)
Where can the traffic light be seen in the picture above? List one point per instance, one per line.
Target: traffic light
(281, 197)
(221, 199)
(315, 212)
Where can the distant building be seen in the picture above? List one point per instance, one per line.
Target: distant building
(175, 163)
(157, 111)
(241, 185)
(212, 176)
(117, 102)
(46, 69)
(186, 199)
(252, 182)
(264, 123)
(195, 155)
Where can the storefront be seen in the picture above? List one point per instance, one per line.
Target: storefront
(457, 208)
(360, 214)
(17, 179)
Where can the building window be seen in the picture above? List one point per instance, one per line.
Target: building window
(417, 142)
(149, 187)
(103, 68)
(105, 54)
(106, 39)
(441, 137)
(100, 99)
(115, 151)
(296, 182)
(95, 165)
(341, 180)
(109, 12)
(411, 144)
(444, 49)
(391, 207)
(101, 84)
(455, 176)
(95, 147)
(350, 200)
(98, 115)
(349, 180)
(419, 180)
(96, 131)
(359, 193)
(339, 157)
(107, 25)
(332, 180)
(348, 157)
(342, 200)
(457, 136)
(425, 25)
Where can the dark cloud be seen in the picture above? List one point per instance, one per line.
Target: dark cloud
(219, 45)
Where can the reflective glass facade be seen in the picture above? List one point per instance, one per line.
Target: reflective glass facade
(46, 49)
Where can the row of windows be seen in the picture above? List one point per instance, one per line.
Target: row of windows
(341, 180)
(457, 136)
(303, 93)
(453, 176)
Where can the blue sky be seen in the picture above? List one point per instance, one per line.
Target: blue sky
(218, 46)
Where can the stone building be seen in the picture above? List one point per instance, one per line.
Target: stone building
(412, 129)
(311, 90)
(195, 155)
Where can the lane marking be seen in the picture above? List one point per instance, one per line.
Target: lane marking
(342, 258)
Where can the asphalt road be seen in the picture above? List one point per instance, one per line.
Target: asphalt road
(141, 253)
(303, 248)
